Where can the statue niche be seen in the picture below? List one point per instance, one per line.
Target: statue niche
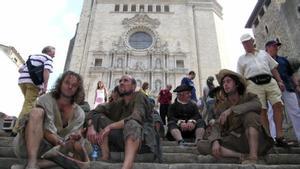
(119, 63)
(157, 64)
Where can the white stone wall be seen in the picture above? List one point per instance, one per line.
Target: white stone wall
(11, 95)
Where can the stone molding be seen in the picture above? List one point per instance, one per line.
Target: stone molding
(141, 19)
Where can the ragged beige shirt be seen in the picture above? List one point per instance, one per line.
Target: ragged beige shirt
(53, 121)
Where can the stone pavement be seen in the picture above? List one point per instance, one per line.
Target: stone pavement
(176, 157)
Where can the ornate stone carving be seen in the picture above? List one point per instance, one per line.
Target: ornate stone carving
(119, 46)
(139, 66)
(141, 20)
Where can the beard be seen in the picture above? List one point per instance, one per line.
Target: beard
(231, 92)
(122, 94)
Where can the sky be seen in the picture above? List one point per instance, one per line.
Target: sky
(32, 24)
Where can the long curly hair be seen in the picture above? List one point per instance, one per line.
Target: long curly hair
(56, 90)
(241, 89)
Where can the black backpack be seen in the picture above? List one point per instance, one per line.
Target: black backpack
(36, 72)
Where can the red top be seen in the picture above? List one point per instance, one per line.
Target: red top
(165, 97)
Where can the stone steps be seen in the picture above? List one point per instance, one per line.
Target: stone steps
(176, 157)
(181, 157)
(7, 162)
(6, 141)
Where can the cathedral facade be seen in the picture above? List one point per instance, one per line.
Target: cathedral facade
(155, 41)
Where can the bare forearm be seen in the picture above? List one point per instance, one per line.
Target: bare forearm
(117, 125)
(46, 78)
(52, 138)
(276, 75)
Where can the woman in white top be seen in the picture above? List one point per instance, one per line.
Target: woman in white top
(101, 94)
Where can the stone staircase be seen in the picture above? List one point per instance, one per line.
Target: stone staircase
(176, 157)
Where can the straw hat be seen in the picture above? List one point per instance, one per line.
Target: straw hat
(225, 72)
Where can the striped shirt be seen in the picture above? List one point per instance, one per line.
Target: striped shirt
(36, 60)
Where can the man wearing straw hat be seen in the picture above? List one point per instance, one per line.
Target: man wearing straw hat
(238, 131)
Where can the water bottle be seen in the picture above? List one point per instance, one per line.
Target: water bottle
(96, 152)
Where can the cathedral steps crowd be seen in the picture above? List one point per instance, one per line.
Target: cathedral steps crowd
(124, 130)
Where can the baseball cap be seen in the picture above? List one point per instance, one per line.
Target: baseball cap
(272, 42)
(246, 37)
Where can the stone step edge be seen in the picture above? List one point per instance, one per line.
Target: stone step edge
(167, 159)
(138, 165)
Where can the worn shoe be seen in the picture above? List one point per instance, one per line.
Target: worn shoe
(281, 142)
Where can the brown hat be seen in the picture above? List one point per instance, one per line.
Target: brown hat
(182, 88)
(225, 72)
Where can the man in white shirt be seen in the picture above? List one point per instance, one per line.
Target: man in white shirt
(28, 88)
(260, 70)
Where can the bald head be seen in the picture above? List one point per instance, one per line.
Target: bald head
(169, 86)
(127, 85)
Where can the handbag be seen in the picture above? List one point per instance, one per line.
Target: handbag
(36, 72)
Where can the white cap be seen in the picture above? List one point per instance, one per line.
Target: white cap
(246, 37)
